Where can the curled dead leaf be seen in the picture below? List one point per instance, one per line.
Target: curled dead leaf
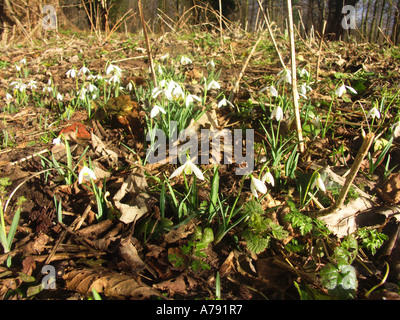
(109, 283)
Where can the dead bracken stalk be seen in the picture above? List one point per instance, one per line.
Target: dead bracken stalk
(369, 138)
(146, 36)
(294, 79)
(271, 34)
(235, 88)
(319, 51)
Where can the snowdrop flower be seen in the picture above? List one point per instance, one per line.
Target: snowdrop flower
(303, 90)
(257, 185)
(8, 97)
(155, 92)
(86, 174)
(71, 73)
(164, 57)
(82, 94)
(185, 60)
(22, 61)
(211, 63)
(156, 110)
(83, 70)
(57, 141)
(304, 72)
(48, 89)
(59, 97)
(18, 86)
(396, 129)
(271, 90)
(374, 113)
(129, 86)
(269, 178)
(178, 92)
(213, 85)
(319, 183)
(314, 119)
(225, 102)
(91, 87)
(188, 168)
(190, 99)
(113, 69)
(277, 113)
(114, 79)
(17, 67)
(32, 84)
(287, 77)
(342, 89)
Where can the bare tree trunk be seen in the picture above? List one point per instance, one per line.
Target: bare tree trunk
(373, 26)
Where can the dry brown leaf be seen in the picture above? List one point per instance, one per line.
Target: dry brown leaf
(130, 255)
(102, 152)
(110, 283)
(174, 286)
(180, 233)
(37, 245)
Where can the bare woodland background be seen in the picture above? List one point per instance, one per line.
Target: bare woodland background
(377, 20)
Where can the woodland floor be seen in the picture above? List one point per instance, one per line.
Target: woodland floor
(134, 260)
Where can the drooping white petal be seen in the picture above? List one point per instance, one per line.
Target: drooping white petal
(339, 91)
(277, 113)
(319, 183)
(269, 178)
(351, 89)
(374, 113)
(257, 185)
(86, 174)
(178, 171)
(213, 85)
(156, 110)
(196, 170)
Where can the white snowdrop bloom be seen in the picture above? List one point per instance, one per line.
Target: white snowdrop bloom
(271, 89)
(225, 102)
(114, 79)
(257, 185)
(57, 141)
(32, 84)
(211, 64)
(8, 97)
(91, 87)
(188, 168)
(319, 183)
(17, 67)
(213, 85)
(47, 89)
(277, 113)
(396, 130)
(178, 93)
(113, 69)
(269, 178)
(190, 99)
(22, 61)
(156, 110)
(374, 113)
(304, 72)
(129, 86)
(287, 76)
(185, 60)
(164, 57)
(342, 89)
(71, 73)
(59, 97)
(86, 174)
(83, 70)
